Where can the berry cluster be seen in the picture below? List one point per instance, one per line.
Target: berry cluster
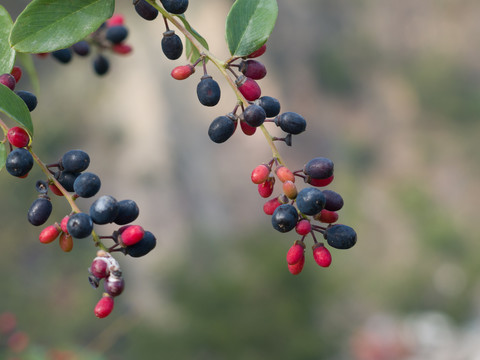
(10, 80)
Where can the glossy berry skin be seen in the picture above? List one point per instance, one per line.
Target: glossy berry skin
(172, 45)
(80, 225)
(260, 174)
(259, 52)
(99, 268)
(208, 91)
(266, 189)
(310, 201)
(221, 129)
(319, 182)
(145, 10)
(19, 162)
(143, 247)
(28, 98)
(116, 34)
(113, 285)
(340, 236)
(87, 185)
(104, 306)
(253, 69)
(101, 65)
(303, 227)
(104, 210)
(254, 115)
(127, 212)
(66, 179)
(64, 56)
(18, 137)
(66, 242)
(270, 105)
(297, 268)
(175, 6)
(182, 72)
(131, 235)
(81, 48)
(270, 206)
(296, 252)
(334, 200)
(39, 211)
(49, 234)
(8, 80)
(321, 255)
(319, 168)
(284, 174)
(248, 88)
(289, 189)
(291, 122)
(327, 216)
(284, 218)
(16, 73)
(74, 161)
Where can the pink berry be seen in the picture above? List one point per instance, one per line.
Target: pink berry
(116, 20)
(99, 268)
(122, 49)
(297, 268)
(247, 129)
(260, 174)
(248, 88)
(319, 182)
(327, 216)
(270, 206)
(321, 255)
(8, 80)
(303, 227)
(259, 52)
(131, 235)
(290, 189)
(284, 174)
(296, 252)
(104, 306)
(18, 137)
(16, 73)
(63, 224)
(266, 189)
(182, 72)
(49, 234)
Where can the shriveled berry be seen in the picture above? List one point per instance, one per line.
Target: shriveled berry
(64, 56)
(39, 211)
(28, 98)
(260, 174)
(291, 122)
(127, 212)
(284, 218)
(270, 105)
(340, 236)
(247, 129)
(114, 285)
(18, 137)
(290, 189)
(284, 174)
(321, 255)
(81, 48)
(248, 88)
(87, 185)
(297, 268)
(74, 161)
(259, 52)
(208, 91)
(116, 34)
(310, 201)
(182, 72)
(41, 187)
(254, 115)
(66, 242)
(16, 73)
(122, 49)
(253, 69)
(327, 216)
(66, 179)
(319, 168)
(319, 182)
(80, 225)
(296, 252)
(19, 162)
(63, 224)
(266, 189)
(303, 227)
(145, 10)
(8, 80)
(99, 268)
(104, 210)
(221, 129)
(104, 306)
(131, 235)
(175, 6)
(172, 45)
(143, 247)
(49, 234)
(101, 65)
(115, 20)
(270, 206)
(334, 200)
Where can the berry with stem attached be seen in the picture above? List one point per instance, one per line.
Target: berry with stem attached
(80, 225)
(321, 255)
(87, 185)
(221, 129)
(303, 227)
(260, 174)
(266, 189)
(66, 242)
(254, 115)
(104, 306)
(340, 236)
(319, 168)
(19, 162)
(208, 91)
(253, 69)
(248, 88)
(49, 234)
(131, 235)
(291, 122)
(18, 137)
(145, 10)
(172, 45)
(74, 161)
(182, 72)
(296, 252)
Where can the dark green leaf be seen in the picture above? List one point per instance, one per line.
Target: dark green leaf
(191, 51)
(48, 25)
(249, 24)
(15, 108)
(29, 67)
(3, 155)
(7, 54)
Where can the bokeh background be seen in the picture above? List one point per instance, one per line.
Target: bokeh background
(391, 93)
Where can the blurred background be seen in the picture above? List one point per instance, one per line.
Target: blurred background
(391, 93)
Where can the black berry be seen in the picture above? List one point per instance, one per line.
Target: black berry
(19, 162)
(81, 48)
(270, 105)
(340, 236)
(80, 225)
(334, 200)
(116, 34)
(74, 161)
(254, 115)
(87, 185)
(29, 98)
(127, 212)
(101, 65)
(221, 129)
(291, 123)
(64, 55)
(66, 179)
(310, 201)
(39, 211)
(175, 6)
(172, 45)
(208, 91)
(104, 210)
(143, 247)
(253, 69)
(284, 218)
(145, 10)
(319, 168)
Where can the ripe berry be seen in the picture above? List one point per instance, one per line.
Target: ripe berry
(284, 218)
(80, 225)
(172, 45)
(143, 247)
(66, 179)
(81, 48)
(114, 284)
(19, 162)
(291, 122)
(74, 161)
(145, 10)
(127, 212)
(99, 268)
(326, 216)
(49, 234)
(297, 268)
(319, 182)
(290, 189)
(253, 69)
(18, 137)
(16, 73)
(221, 129)
(321, 255)
(266, 189)
(104, 306)
(270, 206)
(319, 168)
(87, 185)
(248, 88)
(334, 200)
(131, 235)
(260, 174)
(116, 34)
(247, 129)
(104, 210)
(303, 227)
(340, 236)
(175, 6)
(39, 211)
(66, 242)
(284, 174)
(310, 201)
(254, 115)
(296, 252)
(182, 72)
(121, 49)
(63, 55)
(28, 98)
(259, 52)
(101, 65)
(208, 91)
(8, 80)
(270, 105)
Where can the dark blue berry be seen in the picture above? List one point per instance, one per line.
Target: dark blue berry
(291, 123)
(116, 34)
(41, 187)
(104, 210)
(101, 65)
(143, 247)
(334, 200)
(39, 211)
(172, 45)
(319, 168)
(254, 115)
(127, 212)
(66, 179)
(310, 201)
(145, 10)
(29, 99)
(81, 48)
(221, 129)
(270, 105)
(80, 225)
(64, 55)
(19, 162)
(284, 218)
(208, 91)
(87, 185)
(175, 6)
(74, 161)
(340, 236)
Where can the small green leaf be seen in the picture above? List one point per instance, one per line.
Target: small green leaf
(29, 67)
(249, 24)
(3, 155)
(48, 25)
(191, 51)
(7, 54)
(14, 107)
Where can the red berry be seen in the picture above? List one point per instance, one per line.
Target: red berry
(253, 69)
(327, 216)
(99, 268)
(16, 73)
(319, 182)
(259, 52)
(55, 190)
(248, 88)
(115, 20)
(63, 224)
(303, 227)
(131, 235)
(104, 306)
(8, 80)
(260, 174)
(290, 189)
(284, 174)
(66, 242)
(49, 234)
(321, 255)
(18, 137)
(270, 206)
(122, 49)
(297, 268)
(182, 72)
(266, 189)
(247, 129)
(296, 252)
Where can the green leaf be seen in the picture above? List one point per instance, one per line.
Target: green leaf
(7, 54)
(48, 25)
(13, 106)
(191, 51)
(3, 155)
(29, 67)
(249, 24)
